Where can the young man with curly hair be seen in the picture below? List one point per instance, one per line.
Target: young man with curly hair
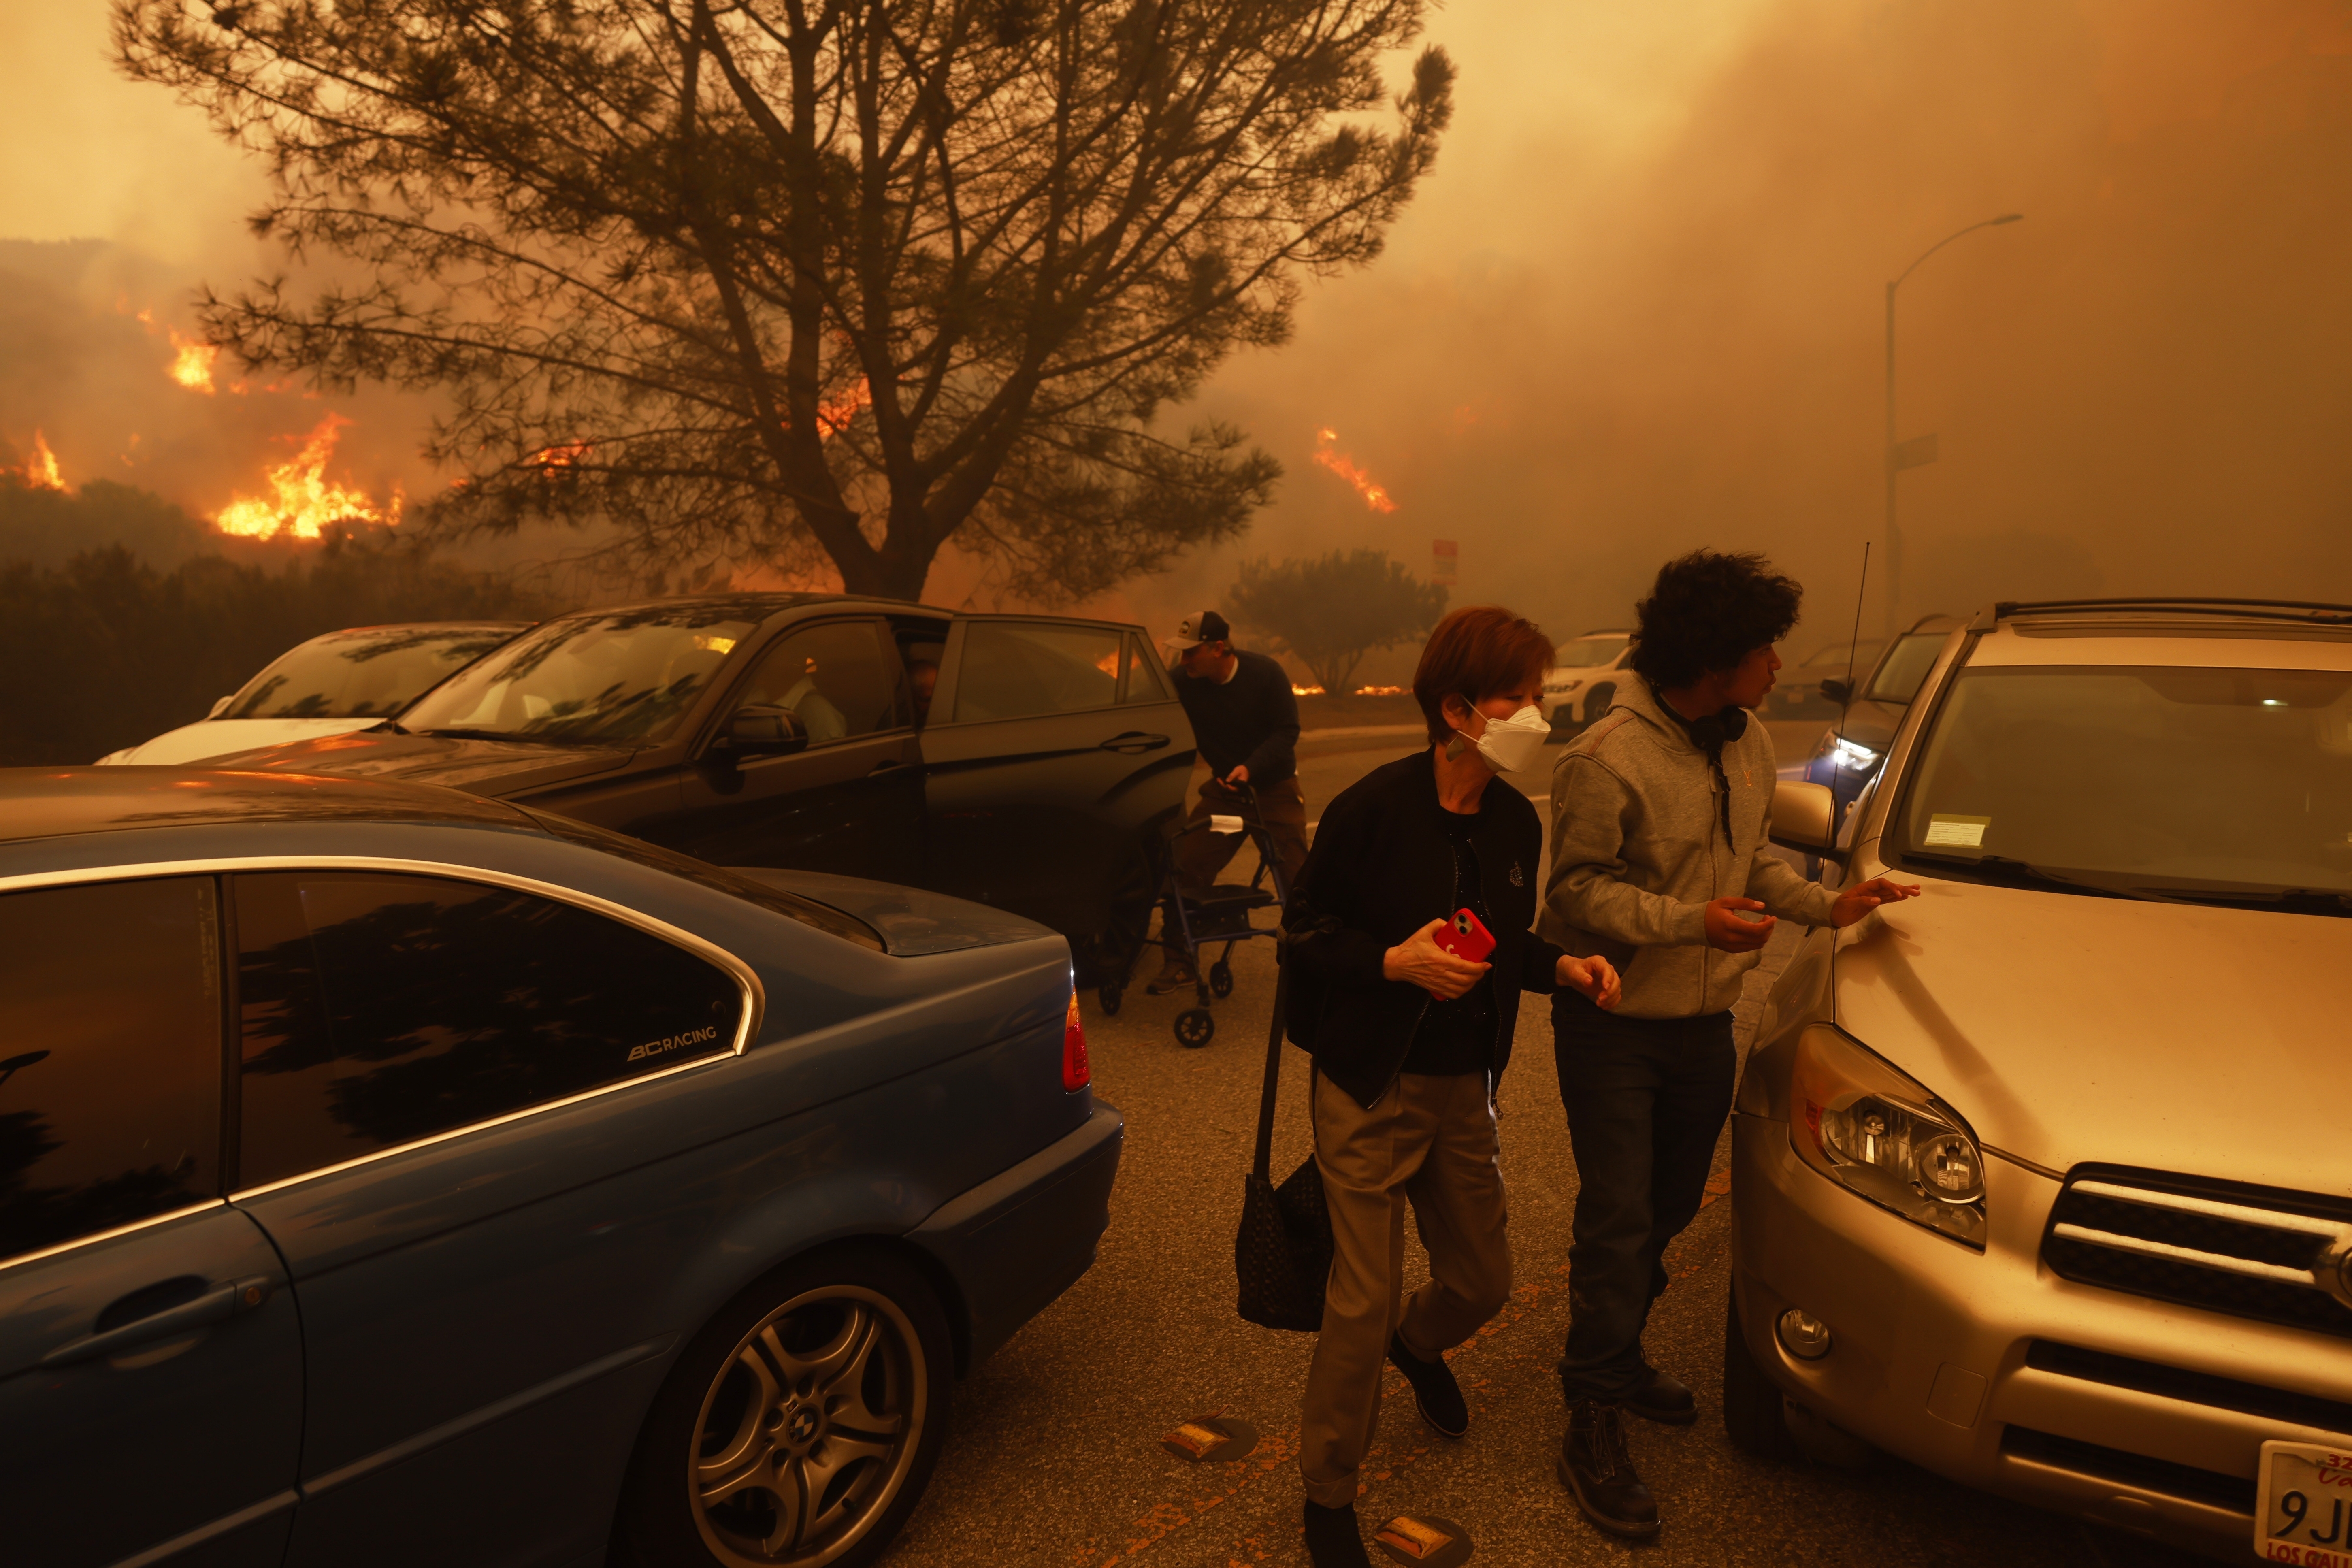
(1659, 816)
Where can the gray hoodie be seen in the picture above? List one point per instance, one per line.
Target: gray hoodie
(1637, 850)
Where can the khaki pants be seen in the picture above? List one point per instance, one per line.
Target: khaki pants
(1429, 1142)
(1281, 806)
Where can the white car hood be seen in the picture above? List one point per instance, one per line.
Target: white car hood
(2068, 1029)
(219, 737)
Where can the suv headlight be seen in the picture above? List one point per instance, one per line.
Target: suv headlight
(1853, 756)
(1860, 1122)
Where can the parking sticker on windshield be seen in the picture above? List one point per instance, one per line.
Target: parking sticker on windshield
(1965, 831)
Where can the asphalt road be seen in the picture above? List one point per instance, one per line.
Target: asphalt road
(1054, 1459)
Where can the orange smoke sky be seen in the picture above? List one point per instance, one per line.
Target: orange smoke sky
(1638, 307)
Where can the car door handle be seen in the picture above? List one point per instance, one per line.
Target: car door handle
(1133, 742)
(211, 1307)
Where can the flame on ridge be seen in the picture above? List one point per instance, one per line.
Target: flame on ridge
(1329, 453)
(833, 419)
(191, 365)
(40, 469)
(303, 501)
(547, 459)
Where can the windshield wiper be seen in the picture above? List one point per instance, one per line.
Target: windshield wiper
(2287, 900)
(526, 738)
(462, 734)
(2014, 873)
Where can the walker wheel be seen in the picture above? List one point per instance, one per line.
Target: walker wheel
(1194, 1027)
(1110, 996)
(1220, 978)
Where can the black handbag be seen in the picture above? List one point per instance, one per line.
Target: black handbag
(1282, 1254)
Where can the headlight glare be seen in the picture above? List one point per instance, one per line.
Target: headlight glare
(1855, 757)
(1876, 1132)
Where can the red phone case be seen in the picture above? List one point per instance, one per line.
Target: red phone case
(1467, 937)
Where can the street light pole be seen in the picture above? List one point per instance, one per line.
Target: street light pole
(1899, 454)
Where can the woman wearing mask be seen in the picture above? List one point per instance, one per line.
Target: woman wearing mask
(1408, 1041)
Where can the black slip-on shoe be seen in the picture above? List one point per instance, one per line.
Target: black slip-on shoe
(1594, 1465)
(1433, 1389)
(1663, 1399)
(1333, 1539)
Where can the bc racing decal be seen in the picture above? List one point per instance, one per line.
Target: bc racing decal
(675, 1042)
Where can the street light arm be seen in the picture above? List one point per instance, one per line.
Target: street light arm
(1988, 223)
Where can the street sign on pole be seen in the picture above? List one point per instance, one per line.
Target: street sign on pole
(1916, 453)
(1443, 559)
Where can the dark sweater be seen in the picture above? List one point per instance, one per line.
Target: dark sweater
(1381, 868)
(1252, 719)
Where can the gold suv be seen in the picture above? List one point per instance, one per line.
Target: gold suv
(2043, 1180)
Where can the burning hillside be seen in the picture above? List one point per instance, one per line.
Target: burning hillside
(1328, 453)
(98, 382)
(302, 501)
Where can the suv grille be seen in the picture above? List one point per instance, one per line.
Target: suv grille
(2250, 1252)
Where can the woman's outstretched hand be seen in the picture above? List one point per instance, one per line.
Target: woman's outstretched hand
(1419, 960)
(1593, 978)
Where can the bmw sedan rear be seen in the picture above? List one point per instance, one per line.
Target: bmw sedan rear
(389, 1175)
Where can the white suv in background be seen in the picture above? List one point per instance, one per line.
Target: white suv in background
(1581, 686)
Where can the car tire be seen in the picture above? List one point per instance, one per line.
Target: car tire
(842, 1353)
(1596, 704)
(1754, 1410)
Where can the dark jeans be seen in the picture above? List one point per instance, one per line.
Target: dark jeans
(1646, 1099)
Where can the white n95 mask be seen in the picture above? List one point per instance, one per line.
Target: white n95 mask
(1510, 744)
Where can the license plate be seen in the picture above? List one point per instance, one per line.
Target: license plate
(2303, 1506)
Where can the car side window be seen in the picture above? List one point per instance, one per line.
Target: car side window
(110, 1057)
(834, 678)
(377, 1009)
(1017, 669)
(1146, 681)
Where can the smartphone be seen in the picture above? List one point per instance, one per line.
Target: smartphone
(1466, 937)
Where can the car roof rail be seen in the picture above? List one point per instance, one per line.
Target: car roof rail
(2316, 612)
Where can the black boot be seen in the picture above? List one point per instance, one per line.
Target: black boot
(1433, 1389)
(1663, 1398)
(1333, 1539)
(1593, 1465)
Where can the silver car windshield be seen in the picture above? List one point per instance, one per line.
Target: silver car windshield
(375, 671)
(2159, 782)
(629, 677)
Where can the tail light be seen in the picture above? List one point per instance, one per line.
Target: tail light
(1076, 1070)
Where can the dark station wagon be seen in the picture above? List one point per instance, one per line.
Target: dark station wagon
(1030, 763)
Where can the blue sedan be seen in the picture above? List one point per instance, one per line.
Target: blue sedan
(390, 1175)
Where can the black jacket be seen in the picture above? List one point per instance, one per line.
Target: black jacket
(1380, 869)
(1253, 719)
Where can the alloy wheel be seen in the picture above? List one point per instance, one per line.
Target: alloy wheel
(808, 1430)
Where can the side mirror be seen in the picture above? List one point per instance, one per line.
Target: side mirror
(1836, 689)
(1805, 817)
(759, 729)
(214, 712)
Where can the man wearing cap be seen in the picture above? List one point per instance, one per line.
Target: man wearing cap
(1245, 720)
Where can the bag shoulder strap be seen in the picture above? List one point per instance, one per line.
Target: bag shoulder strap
(1261, 1165)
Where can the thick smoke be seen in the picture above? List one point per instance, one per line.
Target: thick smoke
(1591, 349)
(1640, 306)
